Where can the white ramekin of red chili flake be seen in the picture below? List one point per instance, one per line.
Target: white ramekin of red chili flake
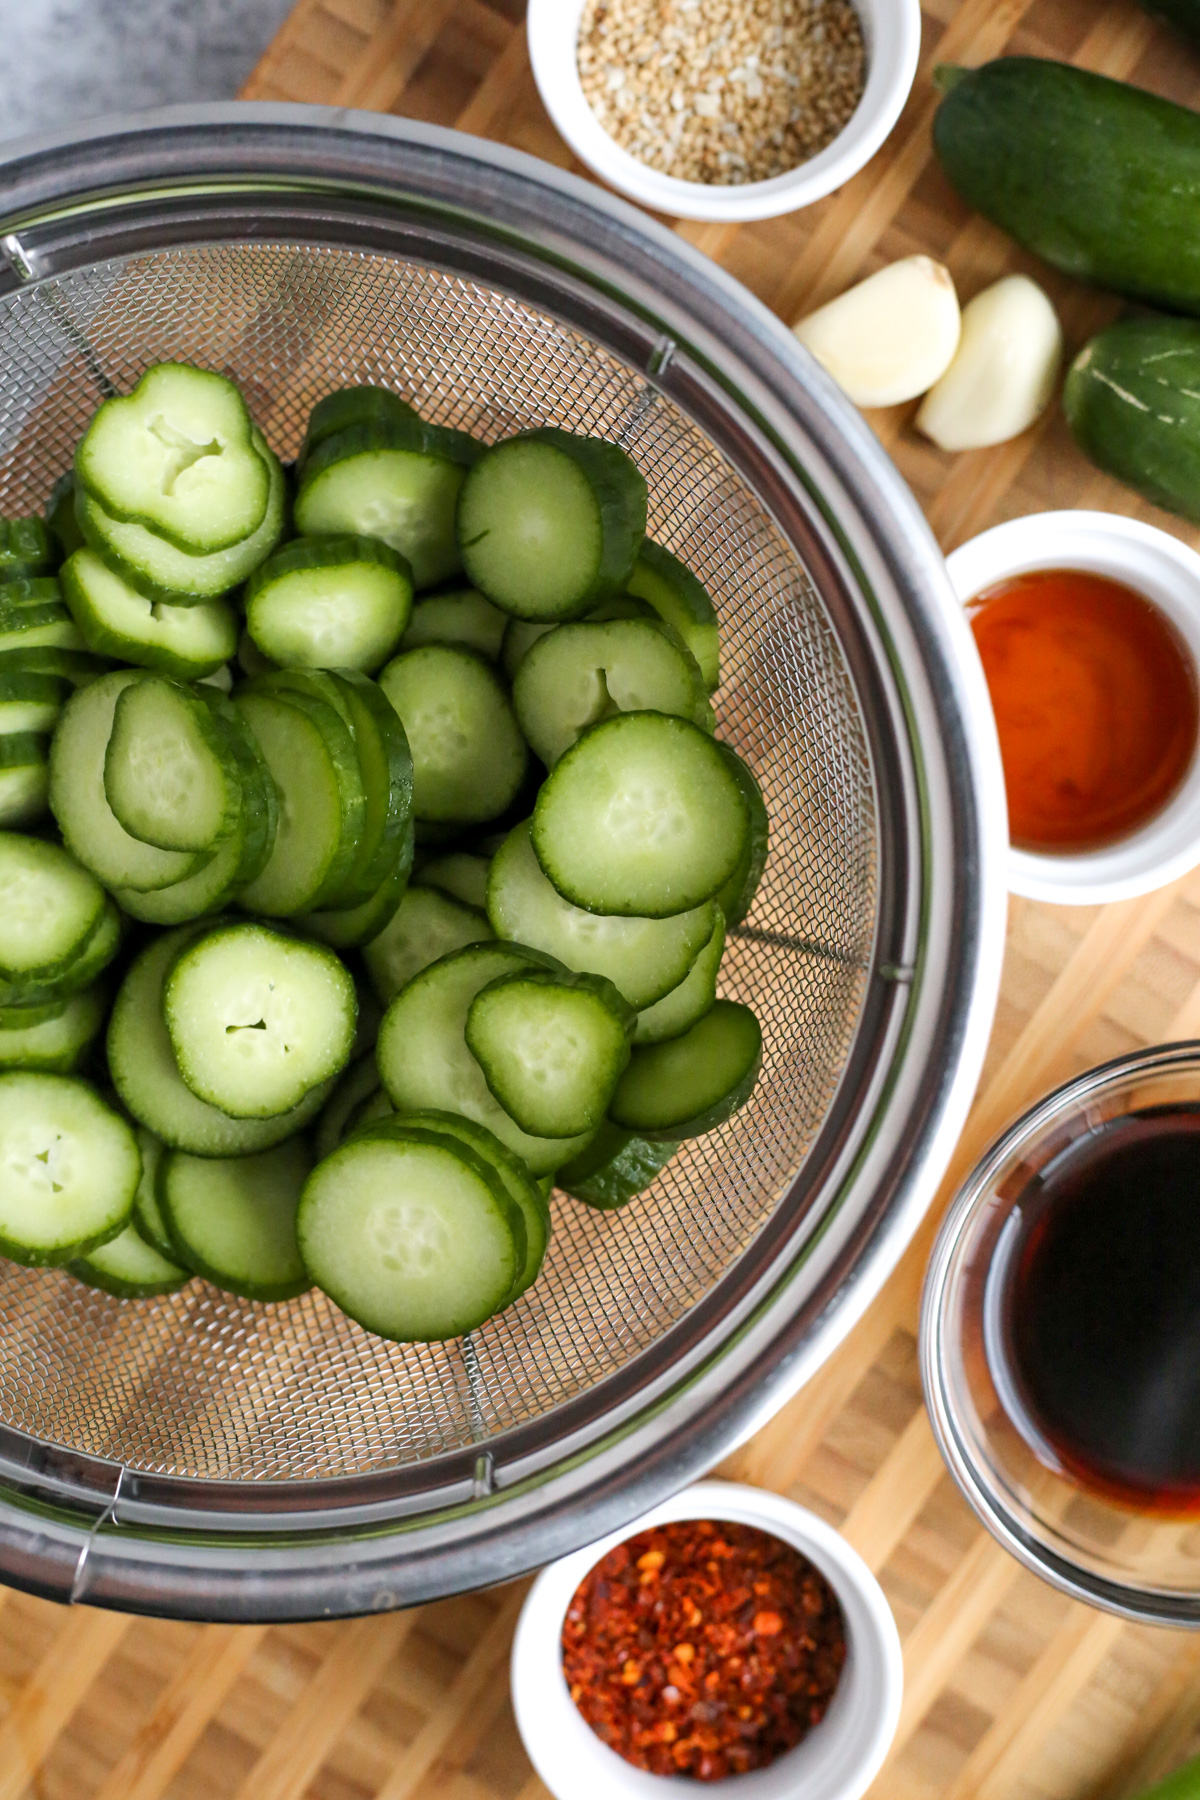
(729, 1637)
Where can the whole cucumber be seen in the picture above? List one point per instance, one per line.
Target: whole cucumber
(1132, 400)
(1099, 178)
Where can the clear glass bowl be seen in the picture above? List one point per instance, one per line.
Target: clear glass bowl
(1145, 1567)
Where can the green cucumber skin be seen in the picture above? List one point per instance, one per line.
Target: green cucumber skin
(1100, 179)
(614, 1169)
(1132, 401)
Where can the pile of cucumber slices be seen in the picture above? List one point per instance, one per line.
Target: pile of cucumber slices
(367, 856)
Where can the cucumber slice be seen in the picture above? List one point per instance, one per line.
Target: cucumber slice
(61, 524)
(18, 1016)
(676, 596)
(694, 1083)
(68, 1169)
(94, 955)
(25, 781)
(30, 591)
(49, 908)
(463, 617)
(257, 1020)
(30, 701)
(520, 1186)
(251, 658)
(57, 1045)
(579, 674)
(27, 547)
(642, 817)
(259, 820)
(679, 1010)
(550, 523)
(411, 1233)
(423, 1057)
(176, 456)
(615, 1168)
(737, 896)
(76, 667)
(358, 1084)
(469, 758)
(519, 639)
(463, 876)
(346, 927)
(350, 406)
(643, 958)
(129, 1268)
(233, 1218)
(169, 774)
(147, 1213)
(399, 482)
(115, 620)
(39, 628)
(312, 853)
(221, 679)
(330, 603)
(90, 829)
(210, 890)
(385, 766)
(426, 926)
(146, 1076)
(160, 570)
(552, 1047)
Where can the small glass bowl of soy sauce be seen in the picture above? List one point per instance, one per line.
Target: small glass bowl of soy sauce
(1060, 1337)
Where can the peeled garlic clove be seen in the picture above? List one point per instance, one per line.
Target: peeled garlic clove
(1005, 371)
(892, 336)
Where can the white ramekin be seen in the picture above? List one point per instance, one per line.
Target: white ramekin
(1166, 572)
(892, 30)
(837, 1761)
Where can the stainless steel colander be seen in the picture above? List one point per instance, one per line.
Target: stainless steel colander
(205, 1456)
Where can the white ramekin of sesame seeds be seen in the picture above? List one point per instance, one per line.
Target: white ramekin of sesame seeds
(724, 110)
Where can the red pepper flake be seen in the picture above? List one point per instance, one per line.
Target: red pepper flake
(704, 1649)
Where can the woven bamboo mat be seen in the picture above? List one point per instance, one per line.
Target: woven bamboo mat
(1013, 1693)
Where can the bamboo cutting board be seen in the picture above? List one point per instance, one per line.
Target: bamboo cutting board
(1012, 1693)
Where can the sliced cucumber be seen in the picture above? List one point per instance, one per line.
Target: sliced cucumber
(169, 773)
(161, 570)
(519, 640)
(94, 956)
(642, 817)
(260, 798)
(24, 780)
(30, 590)
(679, 1010)
(463, 876)
(146, 1076)
(615, 1168)
(695, 1082)
(346, 927)
(90, 829)
(27, 547)
(350, 406)
(518, 1183)
(463, 617)
(552, 1047)
(115, 620)
(233, 1219)
(676, 596)
(385, 767)
(579, 674)
(39, 628)
(147, 1213)
(77, 667)
(359, 1082)
(737, 896)
(399, 482)
(549, 523)
(176, 456)
(129, 1268)
(49, 908)
(427, 925)
(411, 1233)
(60, 522)
(30, 701)
(423, 1057)
(210, 890)
(68, 1169)
(57, 1045)
(643, 958)
(469, 758)
(330, 603)
(257, 1019)
(312, 853)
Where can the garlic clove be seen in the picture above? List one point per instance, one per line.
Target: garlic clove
(1005, 372)
(890, 337)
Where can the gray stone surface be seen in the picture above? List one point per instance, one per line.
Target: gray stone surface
(68, 60)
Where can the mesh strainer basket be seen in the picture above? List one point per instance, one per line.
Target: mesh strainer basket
(205, 1456)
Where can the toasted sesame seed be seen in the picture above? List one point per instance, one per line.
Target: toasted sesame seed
(722, 91)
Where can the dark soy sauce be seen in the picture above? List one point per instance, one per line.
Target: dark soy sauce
(1101, 1310)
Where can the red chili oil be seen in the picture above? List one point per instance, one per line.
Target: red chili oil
(1095, 699)
(702, 1648)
